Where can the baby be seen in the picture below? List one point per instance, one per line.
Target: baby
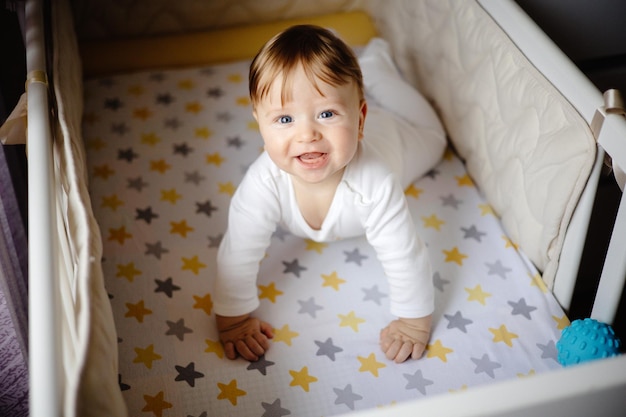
(326, 174)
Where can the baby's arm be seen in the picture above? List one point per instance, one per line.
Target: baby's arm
(404, 338)
(244, 335)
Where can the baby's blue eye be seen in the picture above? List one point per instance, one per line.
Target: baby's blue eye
(326, 114)
(285, 119)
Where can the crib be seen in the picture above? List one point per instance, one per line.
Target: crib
(121, 322)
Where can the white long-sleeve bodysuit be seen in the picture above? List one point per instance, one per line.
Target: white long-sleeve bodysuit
(369, 200)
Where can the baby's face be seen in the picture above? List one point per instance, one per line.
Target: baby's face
(314, 134)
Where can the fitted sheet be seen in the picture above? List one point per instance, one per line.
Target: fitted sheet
(166, 151)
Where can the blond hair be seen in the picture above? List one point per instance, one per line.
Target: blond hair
(322, 55)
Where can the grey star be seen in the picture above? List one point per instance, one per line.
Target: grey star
(215, 92)
(224, 117)
(260, 365)
(235, 142)
(194, 177)
(451, 201)
(327, 348)
(457, 321)
(182, 149)
(498, 269)
(521, 308)
(146, 214)
(188, 374)
(172, 123)
(280, 233)
(127, 154)
(206, 208)
(177, 329)
(432, 174)
(354, 256)
(113, 103)
(473, 233)
(417, 381)
(548, 351)
(157, 76)
(214, 241)
(373, 294)
(166, 287)
(485, 365)
(346, 396)
(309, 307)
(164, 98)
(293, 267)
(274, 409)
(137, 183)
(155, 249)
(206, 71)
(119, 128)
(439, 282)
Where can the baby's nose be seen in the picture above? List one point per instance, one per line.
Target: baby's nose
(308, 132)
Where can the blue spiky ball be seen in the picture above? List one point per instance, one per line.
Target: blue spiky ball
(586, 340)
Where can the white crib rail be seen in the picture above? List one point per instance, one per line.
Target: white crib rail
(45, 371)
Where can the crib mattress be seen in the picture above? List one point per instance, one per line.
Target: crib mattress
(166, 151)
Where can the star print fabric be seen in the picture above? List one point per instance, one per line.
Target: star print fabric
(166, 151)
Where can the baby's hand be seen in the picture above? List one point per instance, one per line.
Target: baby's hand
(405, 338)
(244, 335)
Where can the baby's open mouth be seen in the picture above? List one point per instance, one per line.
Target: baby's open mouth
(311, 156)
(313, 160)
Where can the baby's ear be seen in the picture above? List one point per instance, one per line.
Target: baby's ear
(362, 116)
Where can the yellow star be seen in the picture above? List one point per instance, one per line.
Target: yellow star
(150, 139)
(235, 78)
(181, 228)
(463, 388)
(332, 280)
(95, 144)
(142, 113)
(226, 188)
(532, 372)
(243, 101)
(413, 191)
(215, 159)
(113, 202)
(438, 350)
(501, 334)
(214, 346)
(316, 246)
(193, 107)
(135, 90)
(301, 378)
(204, 303)
(486, 209)
(561, 322)
(119, 234)
(537, 281)
(370, 364)
(146, 356)
(230, 392)
(508, 243)
(253, 125)
(350, 320)
(270, 292)
(159, 166)
(477, 294)
(127, 271)
(170, 195)
(137, 311)
(464, 180)
(203, 132)
(433, 221)
(103, 171)
(284, 334)
(186, 84)
(454, 256)
(156, 404)
(192, 264)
